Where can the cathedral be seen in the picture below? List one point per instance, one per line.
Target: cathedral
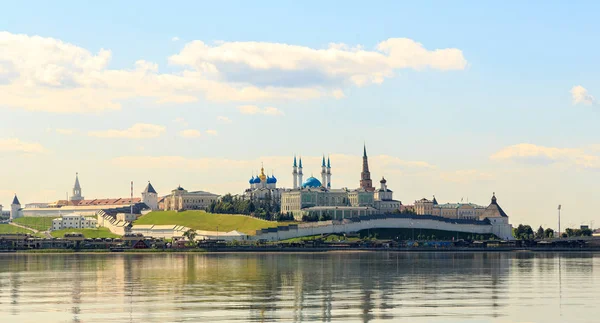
(263, 187)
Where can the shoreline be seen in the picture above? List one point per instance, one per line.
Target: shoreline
(299, 250)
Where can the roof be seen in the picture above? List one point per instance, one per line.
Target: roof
(494, 210)
(16, 200)
(77, 186)
(114, 201)
(150, 189)
(311, 182)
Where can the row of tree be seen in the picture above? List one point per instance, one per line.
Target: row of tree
(265, 209)
(525, 232)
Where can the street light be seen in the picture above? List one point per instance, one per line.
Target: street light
(559, 207)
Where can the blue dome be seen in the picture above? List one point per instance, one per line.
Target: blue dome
(257, 180)
(311, 182)
(251, 181)
(274, 179)
(271, 180)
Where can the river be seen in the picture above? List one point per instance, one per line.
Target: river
(301, 287)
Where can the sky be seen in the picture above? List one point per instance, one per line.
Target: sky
(454, 99)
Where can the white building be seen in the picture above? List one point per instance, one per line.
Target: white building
(180, 199)
(150, 197)
(74, 221)
(264, 187)
(15, 208)
(384, 200)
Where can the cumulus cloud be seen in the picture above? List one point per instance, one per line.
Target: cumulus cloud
(137, 131)
(211, 132)
(16, 145)
(66, 78)
(190, 133)
(223, 119)
(278, 64)
(580, 95)
(541, 155)
(252, 109)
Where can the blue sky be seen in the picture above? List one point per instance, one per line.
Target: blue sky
(497, 110)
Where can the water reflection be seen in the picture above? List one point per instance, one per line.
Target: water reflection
(332, 287)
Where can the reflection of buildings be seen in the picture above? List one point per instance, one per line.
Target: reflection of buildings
(314, 197)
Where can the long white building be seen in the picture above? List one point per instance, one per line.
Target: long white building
(73, 221)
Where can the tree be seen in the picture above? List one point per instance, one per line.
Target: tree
(540, 233)
(190, 234)
(549, 233)
(570, 232)
(523, 232)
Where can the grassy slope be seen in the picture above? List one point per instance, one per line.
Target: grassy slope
(37, 223)
(201, 220)
(88, 233)
(7, 228)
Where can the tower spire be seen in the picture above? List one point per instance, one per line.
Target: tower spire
(365, 175)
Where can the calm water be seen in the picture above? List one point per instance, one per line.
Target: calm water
(334, 287)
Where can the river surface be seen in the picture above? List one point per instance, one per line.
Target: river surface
(301, 287)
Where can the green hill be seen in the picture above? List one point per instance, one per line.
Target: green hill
(37, 223)
(200, 220)
(7, 228)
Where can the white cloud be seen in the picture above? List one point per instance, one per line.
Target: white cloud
(16, 145)
(66, 78)
(181, 121)
(175, 38)
(66, 132)
(223, 119)
(252, 109)
(190, 133)
(211, 132)
(137, 131)
(580, 95)
(534, 154)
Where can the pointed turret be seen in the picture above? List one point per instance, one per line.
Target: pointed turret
(365, 175)
(295, 161)
(149, 188)
(328, 162)
(365, 151)
(76, 190)
(295, 174)
(435, 202)
(16, 201)
(150, 197)
(323, 163)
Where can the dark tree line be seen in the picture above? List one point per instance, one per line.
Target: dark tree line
(525, 232)
(262, 209)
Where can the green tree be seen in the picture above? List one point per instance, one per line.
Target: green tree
(190, 235)
(540, 233)
(549, 233)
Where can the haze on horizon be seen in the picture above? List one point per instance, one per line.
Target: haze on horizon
(453, 99)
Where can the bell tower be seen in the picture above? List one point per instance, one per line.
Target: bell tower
(365, 176)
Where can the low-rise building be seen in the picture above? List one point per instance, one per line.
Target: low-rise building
(75, 221)
(180, 199)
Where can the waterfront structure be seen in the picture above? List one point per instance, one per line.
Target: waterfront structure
(314, 197)
(150, 197)
(180, 199)
(75, 221)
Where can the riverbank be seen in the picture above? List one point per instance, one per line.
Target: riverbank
(299, 250)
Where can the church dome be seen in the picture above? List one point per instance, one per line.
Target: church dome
(311, 182)
(256, 180)
(251, 181)
(271, 180)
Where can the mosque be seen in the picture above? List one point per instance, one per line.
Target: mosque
(314, 197)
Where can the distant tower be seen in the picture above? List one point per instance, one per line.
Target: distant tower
(76, 190)
(323, 173)
(328, 173)
(365, 175)
(295, 174)
(150, 197)
(300, 172)
(14, 208)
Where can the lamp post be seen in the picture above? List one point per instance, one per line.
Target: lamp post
(559, 207)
